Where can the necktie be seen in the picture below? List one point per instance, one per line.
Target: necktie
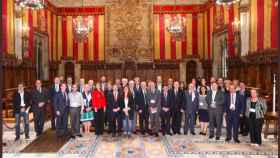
(144, 94)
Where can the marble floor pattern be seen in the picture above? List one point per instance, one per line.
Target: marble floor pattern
(176, 146)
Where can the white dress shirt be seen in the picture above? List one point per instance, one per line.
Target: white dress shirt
(76, 99)
(22, 104)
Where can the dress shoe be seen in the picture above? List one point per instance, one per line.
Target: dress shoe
(79, 135)
(169, 133)
(236, 141)
(143, 133)
(72, 137)
(200, 133)
(185, 133)
(217, 138)
(156, 134)
(227, 139)
(192, 133)
(211, 137)
(17, 138)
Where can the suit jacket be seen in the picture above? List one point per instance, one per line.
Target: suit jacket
(17, 101)
(190, 105)
(141, 102)
(239, 105)
(244, 96)
(130, 105)
(38, 97)
(112, 102)
(177, 101)
(156, 98)
(165, 101)
(53, 92)
(219, 100)
(61, 103)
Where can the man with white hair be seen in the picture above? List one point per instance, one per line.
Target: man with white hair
(159, 83)
(81, 85)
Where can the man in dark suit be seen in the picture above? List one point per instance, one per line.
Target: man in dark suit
(141, 102)
(190, 107)
(113, 98)
(39, 101)
(177, 99)
(244, 94)
(165, 111)
(215, 100)
(61, 106)
(69, 84)
(55, 88)
(21, 105)
(233, 108)
(159, 85)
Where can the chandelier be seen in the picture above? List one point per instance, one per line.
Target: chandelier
(82, 26)
(226, 2)
(31, 4)
(175, 25)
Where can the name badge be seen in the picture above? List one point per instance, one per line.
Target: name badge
(213, 105)
(153, 111)
(252, 110)
(153, 101)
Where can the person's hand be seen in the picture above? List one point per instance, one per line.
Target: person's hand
(95, 110)
(22, 110)
(182, 110)
(57, 113)
(140, 111)
(41, 104)
(241, 115)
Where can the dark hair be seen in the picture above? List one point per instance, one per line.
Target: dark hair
(200, 91)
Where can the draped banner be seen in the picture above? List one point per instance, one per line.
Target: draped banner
(91, 49)
(166, 47)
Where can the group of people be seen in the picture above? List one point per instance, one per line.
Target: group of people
(154, 106)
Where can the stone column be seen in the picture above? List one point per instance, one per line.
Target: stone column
(182, 71)
(61, 71)
(77, 72)
(199, 69)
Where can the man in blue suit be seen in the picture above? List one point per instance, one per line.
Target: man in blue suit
(233, 108)
(61, 106)
(55, 88)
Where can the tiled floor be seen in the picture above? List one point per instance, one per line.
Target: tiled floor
(144, 147)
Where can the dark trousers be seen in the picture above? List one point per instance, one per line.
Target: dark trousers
(232, 119)
(215, 118)
(26, 123)
(52, 116)
(99, 121)
(165, 122)
(39, 121)
(115, 122)
(244, 127)
(176, 121)
(61, 124)
(189, 122)
(255, 129)
(75, 116)
(144, 122)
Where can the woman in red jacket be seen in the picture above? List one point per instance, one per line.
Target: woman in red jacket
(99, 106)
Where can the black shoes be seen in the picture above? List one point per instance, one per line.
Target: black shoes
(169, 133)
(217, 138)
(227, 139)
(79, 135)
(72, 137)
(192, 133)
(236, 141)
(156, 134)
(211, 137)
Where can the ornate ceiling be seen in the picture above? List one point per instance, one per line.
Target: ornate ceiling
(77, 3)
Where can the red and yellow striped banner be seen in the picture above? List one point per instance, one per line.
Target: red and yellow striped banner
(92, 49)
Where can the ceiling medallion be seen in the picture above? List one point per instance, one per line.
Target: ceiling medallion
(226, 2)
(31, 4)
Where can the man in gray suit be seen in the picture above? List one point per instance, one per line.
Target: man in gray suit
(215, 100)
(190, 107)
(154, 101)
